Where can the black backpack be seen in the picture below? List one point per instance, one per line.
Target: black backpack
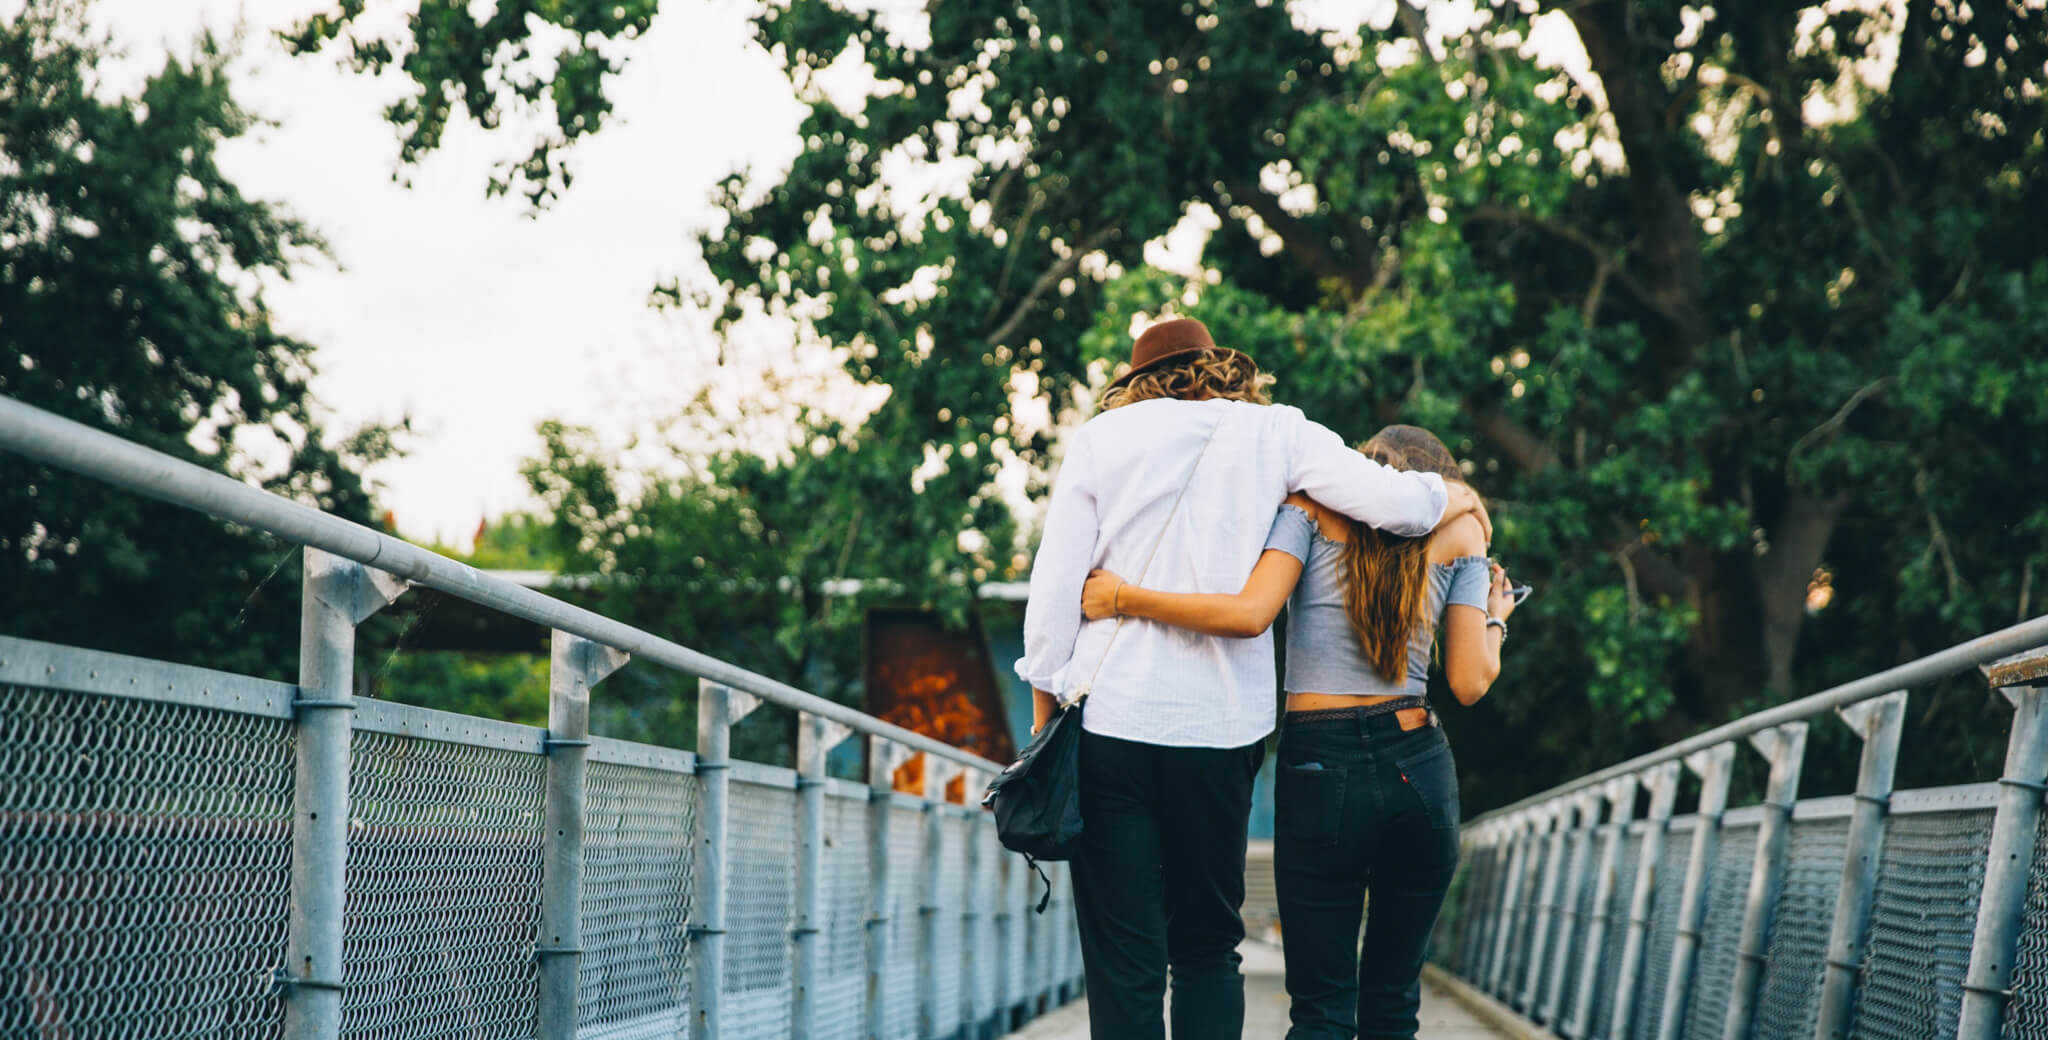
(1037, 799)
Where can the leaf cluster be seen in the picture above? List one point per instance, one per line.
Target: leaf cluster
(131, 274)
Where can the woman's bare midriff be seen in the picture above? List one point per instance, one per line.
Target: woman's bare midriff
(1411, 718)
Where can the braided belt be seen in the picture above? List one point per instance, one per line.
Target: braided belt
(1363, 711)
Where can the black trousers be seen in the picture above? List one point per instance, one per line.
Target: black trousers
(1361, 806)
(1159, 883)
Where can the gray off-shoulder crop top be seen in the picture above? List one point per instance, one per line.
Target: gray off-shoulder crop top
(1323, 655)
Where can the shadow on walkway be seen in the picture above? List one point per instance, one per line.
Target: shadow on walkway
(1444, 1016)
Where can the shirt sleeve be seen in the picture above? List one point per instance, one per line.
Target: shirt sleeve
(1471, 582)
(1327, 470)
(1292, 532)
(1052, 614)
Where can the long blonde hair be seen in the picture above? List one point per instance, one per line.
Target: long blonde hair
(1386, 576)
(1203, 376)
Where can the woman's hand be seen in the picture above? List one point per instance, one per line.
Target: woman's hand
(1460, 499)
(1099, 596)
(1499, 601)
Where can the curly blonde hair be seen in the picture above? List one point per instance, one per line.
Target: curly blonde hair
(1203, 376)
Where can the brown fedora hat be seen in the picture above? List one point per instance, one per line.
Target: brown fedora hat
(1170, 339)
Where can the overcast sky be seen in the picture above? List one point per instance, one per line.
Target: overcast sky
(472, 315)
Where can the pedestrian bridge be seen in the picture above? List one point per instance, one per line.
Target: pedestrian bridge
(191, 853)
(1598, 911)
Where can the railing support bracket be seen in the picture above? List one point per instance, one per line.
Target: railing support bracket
(2008, 864)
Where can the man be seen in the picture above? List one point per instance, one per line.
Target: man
(1175, 485)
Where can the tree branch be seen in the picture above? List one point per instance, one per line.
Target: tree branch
(1527, 450)
(1835, 422)
(1628, 579)
(1653, 570)
(1590, 309)
(1417, 29)
(1605, 256)
(1031, 206)
(1045, 282)
(1301, 243)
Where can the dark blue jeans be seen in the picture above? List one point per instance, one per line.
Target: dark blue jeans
(1361, 807)
(1159, 885)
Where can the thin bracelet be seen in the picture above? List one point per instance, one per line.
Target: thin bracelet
(1114, 594)
(1494, 622)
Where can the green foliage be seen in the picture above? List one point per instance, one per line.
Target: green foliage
(729, 558)
(1696, 343)
(130, 273)
(512, 687)
(483, 66)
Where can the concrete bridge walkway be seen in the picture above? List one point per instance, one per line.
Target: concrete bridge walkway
(1444, 1015)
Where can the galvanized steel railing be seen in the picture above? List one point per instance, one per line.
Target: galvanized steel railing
(1878, 914)
(190, 853)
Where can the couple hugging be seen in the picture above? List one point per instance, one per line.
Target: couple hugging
(1183, 516)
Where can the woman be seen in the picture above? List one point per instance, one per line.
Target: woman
(1368, 794)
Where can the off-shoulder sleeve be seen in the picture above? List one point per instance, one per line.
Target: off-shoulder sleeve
(1292, 532)
(1471, 581)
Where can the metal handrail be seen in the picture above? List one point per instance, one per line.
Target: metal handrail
(2026, 635)
(56, 441)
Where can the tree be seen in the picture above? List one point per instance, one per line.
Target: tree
(130, 300)
(1737, 311)
(726, 556)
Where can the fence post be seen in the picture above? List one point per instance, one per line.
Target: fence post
(938, 772)
(1558, 817)
(1501, 835)
(2009, 862)
(1878, 722)
(1010, 939)
(1038, 947)
(975, 896)
(1529, 893)
(574, 666)
(884, 758)
(1620, 793)
(1587, 809)
(337, 595)
(1785, 748)
(718, 707)
(1712, 765)
(815, 739)
(1510, 895)
(1476, 856)
(1662, 780)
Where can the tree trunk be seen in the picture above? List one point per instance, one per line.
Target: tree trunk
(1798, 542)
(1669, 243)
(1727, 657)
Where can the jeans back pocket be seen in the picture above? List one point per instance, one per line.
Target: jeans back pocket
(1308, 804)
(1433, 775)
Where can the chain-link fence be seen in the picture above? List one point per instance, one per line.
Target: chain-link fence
(1911, 915)
(187, 853)
(146, 877)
